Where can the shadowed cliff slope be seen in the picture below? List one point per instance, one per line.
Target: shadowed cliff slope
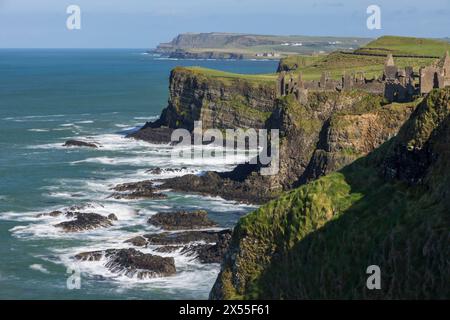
(390, 208)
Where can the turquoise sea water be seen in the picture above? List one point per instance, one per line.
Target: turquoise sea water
(49, 96)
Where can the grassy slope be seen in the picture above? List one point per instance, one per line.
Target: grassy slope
(317, 241)
(406, 46)
(228, 77)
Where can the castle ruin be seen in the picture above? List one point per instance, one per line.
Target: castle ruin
(395, 84)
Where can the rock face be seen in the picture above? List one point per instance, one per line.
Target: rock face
(182, 220)
(330, 131)
(137, 190)
(132, 263)
(78, 143)
(323, 134)
(229, 104)
(389, 208)
(84, 221)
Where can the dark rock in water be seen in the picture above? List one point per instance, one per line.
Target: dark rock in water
(210, 253)
(138, 241)
(220, 184)
(131, 263)
(179, 238)
(182, 220)
(160, 135)
(78, 143)
(154, 171)
(158, 170)
(84, 221)
(55, 213)
(137, 190)
(90, 256)
(112, 217)
(167, 249)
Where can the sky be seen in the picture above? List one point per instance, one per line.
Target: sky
(145, 23)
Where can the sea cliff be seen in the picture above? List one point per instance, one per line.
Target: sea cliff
(389, 208)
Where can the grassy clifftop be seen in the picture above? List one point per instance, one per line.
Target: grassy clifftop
(389, 209)
(227, 78)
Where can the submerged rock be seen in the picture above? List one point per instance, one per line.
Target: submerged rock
(177, 238)
(78, 143)
(132, 263)
(182, 220)
(138, 241)
(159, 170)
(55, 213)
(137, 190)
(210, 253)
(84, 221)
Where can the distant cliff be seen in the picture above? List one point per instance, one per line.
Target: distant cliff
(389, 208)
(217, 45)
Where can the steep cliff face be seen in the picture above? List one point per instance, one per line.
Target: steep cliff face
(389, 208)
(217, 101)
(331, 130)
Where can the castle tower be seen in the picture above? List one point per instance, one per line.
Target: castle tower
(389, 61)
(281, 85)
(300, 83)
(390, 70)
(445, 70)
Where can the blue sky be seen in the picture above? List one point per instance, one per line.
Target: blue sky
(144, 23)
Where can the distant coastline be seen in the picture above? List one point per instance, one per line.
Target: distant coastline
(231, 46)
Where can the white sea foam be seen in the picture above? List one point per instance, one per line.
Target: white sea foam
(149, 118)
(39, 267)
(137, 157)
(85, 122)
(39, 130)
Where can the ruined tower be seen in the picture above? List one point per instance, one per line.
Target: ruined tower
(281, 84)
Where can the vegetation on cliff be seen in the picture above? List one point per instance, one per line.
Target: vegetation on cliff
(390, 208)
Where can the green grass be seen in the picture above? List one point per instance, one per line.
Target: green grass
(406, 46)
(337, 63)
(228, 76)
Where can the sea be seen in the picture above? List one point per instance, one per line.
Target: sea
(48, 96)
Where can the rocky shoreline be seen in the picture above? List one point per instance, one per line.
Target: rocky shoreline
(189, 233)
